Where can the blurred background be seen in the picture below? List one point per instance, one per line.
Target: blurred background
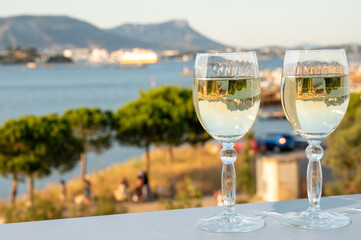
(97, 116)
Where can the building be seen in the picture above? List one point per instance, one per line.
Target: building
(77, 54)
(99, 55)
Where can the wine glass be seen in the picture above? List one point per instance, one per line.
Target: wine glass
(226, 96)
(315, 94)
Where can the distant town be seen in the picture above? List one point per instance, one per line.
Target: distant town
(140, 58)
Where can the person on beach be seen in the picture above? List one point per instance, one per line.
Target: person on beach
(122, 193)
(219, 197)
(87, 190)
(137, 195)
(63, 190)
(146, 188)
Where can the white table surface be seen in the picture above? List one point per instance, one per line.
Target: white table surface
(180, 224)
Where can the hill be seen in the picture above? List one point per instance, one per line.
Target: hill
(176, 34)
(59, 32)
(44, 32)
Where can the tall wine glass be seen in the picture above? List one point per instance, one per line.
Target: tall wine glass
(226, 95)
(315, 94)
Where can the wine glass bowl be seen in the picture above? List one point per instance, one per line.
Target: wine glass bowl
(315, 95)
(226, 96)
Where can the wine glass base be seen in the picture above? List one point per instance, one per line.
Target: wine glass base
(230, 223)
(315, 220)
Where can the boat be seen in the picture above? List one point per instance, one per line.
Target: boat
(131, 65)
(186, 72)
(31, 65)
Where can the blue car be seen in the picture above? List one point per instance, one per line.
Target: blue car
(276, 142)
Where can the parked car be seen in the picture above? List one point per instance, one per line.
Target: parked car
(276, 142)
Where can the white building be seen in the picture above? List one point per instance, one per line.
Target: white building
(77, 54)
(134, 56)
(98, 55)
(273, 77)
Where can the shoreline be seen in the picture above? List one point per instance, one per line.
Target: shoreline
(135, 164)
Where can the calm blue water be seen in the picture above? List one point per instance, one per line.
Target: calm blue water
(46, 90)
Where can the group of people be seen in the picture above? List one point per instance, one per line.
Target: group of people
(141, 192)
(84, 198)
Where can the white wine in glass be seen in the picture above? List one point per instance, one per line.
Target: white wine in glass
(226, 95)
(315, 94)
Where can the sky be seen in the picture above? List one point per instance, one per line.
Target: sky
(238, 23)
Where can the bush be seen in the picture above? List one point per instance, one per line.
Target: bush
(42, 209)
(105, 205)
(187, 196)
(245, 172)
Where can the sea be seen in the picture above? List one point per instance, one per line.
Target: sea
(56, 88)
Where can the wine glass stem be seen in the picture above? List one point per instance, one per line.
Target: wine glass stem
(228, 156)
(314, 153)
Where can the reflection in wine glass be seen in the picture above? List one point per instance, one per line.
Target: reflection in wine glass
(315, 94)
(226, 95)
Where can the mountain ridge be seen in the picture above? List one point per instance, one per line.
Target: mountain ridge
(47, 31)
(179, 34)
(57, 31)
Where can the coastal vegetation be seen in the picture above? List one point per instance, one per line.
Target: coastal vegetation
(15, 55)
(59, 59)
(34, 146)
(343, 151)
(93, 127)
(195, 171)
(161, 116)
(184, 165)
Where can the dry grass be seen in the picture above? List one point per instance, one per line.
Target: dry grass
(200, 163)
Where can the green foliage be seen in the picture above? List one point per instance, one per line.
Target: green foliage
(343, 151)
(105, 205)
(59, 59)
(164, 115)
(36, 145)
(42, 209)
(172, 120)
(15, 55)
(245, 177)
(160, 115)
(92, 126)
(236, 85)
(94, 129)
(140, 122)
(195, 132)
(187, 196)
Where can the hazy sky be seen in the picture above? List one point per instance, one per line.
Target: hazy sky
(240, 23)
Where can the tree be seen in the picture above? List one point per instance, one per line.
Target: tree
(195, 132)
(343, 151)
(8, 163)
(140, 123)
(188, 196)
(93, 127)
(164, 115)
(181, 124)
(31, 54)
(34, 146)
(245, 177)
(17, 55)
(174, 122)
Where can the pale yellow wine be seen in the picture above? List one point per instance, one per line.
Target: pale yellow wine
(226, 107)
(315, 105)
